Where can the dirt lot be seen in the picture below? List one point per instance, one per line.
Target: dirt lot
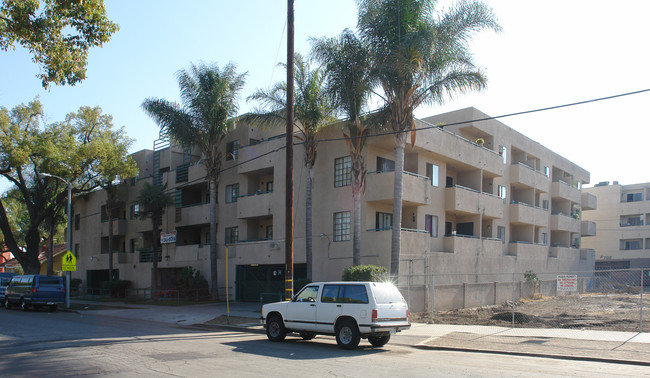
(614, 312)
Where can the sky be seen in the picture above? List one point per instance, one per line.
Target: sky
(549, 53)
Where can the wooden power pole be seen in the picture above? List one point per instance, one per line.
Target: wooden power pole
(288, 284)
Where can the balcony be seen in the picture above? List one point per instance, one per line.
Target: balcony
(192, 252)
(588, 228)
(562, 222)
(523, 174)
(560, 189)
(415, 188)
(527, 214)
(465, 200)
(527, 249)
(196, 173)
(468, 244)
(194, 214)
(140, 224)
(255, 205)
(464, 151)
(119, 227)
(257, 252)
(249, 156)
(589, 201)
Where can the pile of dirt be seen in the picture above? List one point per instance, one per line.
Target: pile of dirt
(615, 312)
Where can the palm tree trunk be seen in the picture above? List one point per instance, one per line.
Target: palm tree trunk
(396, 239)
(154, 255)
(213, 239)
(308, 224)
(356, 238)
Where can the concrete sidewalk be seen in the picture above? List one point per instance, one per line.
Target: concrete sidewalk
(608, 346)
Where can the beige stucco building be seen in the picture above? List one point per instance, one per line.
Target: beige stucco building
(622, 239)
(479, 197)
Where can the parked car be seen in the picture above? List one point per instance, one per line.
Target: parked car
(4, 281)
(348, 310)
(35, 290)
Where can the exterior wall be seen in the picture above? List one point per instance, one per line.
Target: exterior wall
(537, 212)
(619, 219)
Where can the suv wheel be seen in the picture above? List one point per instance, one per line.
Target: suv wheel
(275, 330)
(378, 341)
(347, 335)
(24, 305)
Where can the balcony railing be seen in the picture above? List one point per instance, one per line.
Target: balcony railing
(146, 254)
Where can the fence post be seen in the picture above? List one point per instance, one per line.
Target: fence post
(432, 293)
(641, 297)
(513, 298)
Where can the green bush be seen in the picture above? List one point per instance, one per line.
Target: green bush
(192, 282)
(365, 273)
(117, 288)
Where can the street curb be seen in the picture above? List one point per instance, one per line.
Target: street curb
(538, 355)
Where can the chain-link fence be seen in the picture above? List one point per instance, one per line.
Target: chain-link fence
(617, 300)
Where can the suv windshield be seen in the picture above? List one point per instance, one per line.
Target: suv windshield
(387, 293)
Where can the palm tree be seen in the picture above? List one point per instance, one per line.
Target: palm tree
(419, 57)
(347, 63)
(154, 199)
(209, 98)
(313, 111)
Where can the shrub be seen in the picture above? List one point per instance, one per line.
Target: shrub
(365, 273)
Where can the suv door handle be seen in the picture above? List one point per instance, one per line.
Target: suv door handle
(312, 305)
(338, 305)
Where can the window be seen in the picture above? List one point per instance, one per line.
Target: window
(432, 173)
(632, 197)
(232, 235)
(269, 232)
(545, 204)
(231, 150)
(431, 225)
(501, 234)
(77, 222)
(502, 192)
(547, 171)
(77, 247)
(232, 192)
(344, 294)
(269, 186)
(544, 238)
(131, 245)
(383, 221)
(385, 165)
(342, 171)
(342, 226)
(308, 294)
(503, 152)
(103, 217)
(631, 220)
(134, 211)
(631, 244)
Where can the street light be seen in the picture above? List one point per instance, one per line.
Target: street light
(67, 276)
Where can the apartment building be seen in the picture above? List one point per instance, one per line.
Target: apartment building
(478, 197)
(622, 240)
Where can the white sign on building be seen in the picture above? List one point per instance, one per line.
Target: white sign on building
(168, 237)
(567, 283)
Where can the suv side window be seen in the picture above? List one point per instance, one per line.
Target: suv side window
(330, 294)
(355, 294)
(308, 294)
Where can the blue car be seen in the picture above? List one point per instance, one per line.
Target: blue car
(35, 290)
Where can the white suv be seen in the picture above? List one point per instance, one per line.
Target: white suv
(348, 310)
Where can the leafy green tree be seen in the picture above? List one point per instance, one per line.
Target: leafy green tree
(419, 57)
(313, 110)
(113, 164)
(347, 63)
(154, 200)
(57, 33)
(28, 149)
(209, 98)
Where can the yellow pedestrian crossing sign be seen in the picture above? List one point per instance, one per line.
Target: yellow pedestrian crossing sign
(69, 262)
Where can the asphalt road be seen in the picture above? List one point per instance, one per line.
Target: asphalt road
(69, 344)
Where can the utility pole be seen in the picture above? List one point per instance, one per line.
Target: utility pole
(288, 283)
